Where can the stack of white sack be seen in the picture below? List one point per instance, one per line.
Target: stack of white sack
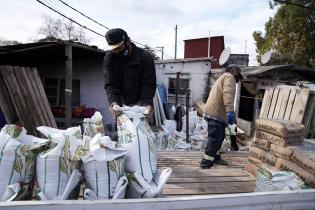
(103, 166)
(135, 135)
(57, 169)
(172, 140)
(17, 163)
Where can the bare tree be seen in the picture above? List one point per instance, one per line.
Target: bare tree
(61, 29)
(5, 42)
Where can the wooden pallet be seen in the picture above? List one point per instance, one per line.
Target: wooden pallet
(188, 179)
(25, 91)
(290, 103)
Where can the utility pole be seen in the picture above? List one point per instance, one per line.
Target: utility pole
(209, 44)
(175, 42)
(245, 45)
(162, 51)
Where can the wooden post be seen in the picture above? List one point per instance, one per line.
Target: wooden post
(68, 85)
(187, 116)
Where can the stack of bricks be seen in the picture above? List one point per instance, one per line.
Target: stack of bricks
(271, 136)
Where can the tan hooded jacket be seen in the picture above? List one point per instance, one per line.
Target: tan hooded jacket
(221, 97)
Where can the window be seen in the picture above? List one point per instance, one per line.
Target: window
(55, 91)
(183, 86)
(51, 90)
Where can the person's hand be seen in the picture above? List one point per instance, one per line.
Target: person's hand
(114, 109)
(147, 112)
(231, 118)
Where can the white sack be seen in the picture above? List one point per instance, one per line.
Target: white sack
(135, 135)
(103, 166)
(17, 161)
(57, 168)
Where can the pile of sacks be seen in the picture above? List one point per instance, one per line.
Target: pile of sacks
(55, 168)
(172, 140)
(279, 145)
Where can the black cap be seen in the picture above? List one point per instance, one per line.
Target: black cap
(116, 37)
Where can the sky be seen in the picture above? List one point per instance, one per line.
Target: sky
(150, 22)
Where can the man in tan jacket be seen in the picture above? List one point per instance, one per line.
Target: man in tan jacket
(219, 111)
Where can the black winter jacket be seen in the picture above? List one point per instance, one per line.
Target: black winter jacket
(131, 80)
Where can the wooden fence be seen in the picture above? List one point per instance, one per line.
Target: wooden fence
(290, 103)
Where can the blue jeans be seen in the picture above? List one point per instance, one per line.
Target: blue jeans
(216, 135)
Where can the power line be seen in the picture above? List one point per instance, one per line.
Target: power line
(295, 4)
(69, 18)
(83, 26)
(81, 13)
(84, 14)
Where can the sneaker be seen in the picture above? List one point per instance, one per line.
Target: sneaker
(204, 163)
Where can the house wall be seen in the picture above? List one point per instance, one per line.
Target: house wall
(197, 72)
(90, 74)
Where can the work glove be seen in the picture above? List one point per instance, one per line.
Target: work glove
(231, 118)
(147, 112)
(231, 122)
(114, 109)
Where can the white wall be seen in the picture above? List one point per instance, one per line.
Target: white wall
(90, 74)
(196, 71)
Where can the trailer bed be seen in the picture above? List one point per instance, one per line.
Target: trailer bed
(188, 179)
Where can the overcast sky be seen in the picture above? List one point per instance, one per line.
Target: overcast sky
(149, 22)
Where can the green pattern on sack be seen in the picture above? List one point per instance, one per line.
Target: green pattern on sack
(13, 131)
(58, 187)
(125, 136)
(139, 151)
(13, 167)
(108, 183)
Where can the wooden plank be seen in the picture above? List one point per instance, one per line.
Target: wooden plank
(278, 104)
(273, 103)
(17, 98)
(6, 103)
(266, 103)
(39, 103)
(209, 185)
(213, 190)
(299, 106)
(200, 154)
(28, 94)
(211, 179)
(284, 102)
(208, 172)
(44, 98)
(288, 110)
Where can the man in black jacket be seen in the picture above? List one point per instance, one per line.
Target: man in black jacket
(129, 73)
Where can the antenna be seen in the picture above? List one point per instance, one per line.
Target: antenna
(266, 57)
(224, 56)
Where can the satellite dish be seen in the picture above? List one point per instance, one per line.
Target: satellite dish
(224, 56)
(266, 57)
